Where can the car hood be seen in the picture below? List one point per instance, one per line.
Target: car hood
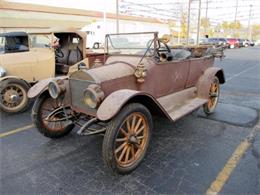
(104, 73)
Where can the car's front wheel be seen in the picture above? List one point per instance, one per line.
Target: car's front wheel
(13, 94)
(50, 118)
(127, 138)
(211, 105)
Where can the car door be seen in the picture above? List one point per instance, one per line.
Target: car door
(41, 46)
(167, 76)
(16, 60)
(170, 76)
(197, 68)
(19, 64)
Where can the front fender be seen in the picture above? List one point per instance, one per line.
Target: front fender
(116, 100)
(14, 77)
(42, 85)
(204, 82)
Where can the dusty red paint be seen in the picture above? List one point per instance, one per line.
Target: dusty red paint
(171, 85)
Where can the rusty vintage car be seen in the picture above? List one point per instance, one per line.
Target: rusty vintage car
(141, 77)
(26, 58)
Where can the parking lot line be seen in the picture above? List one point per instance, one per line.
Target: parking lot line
(16, 130)
(217, 185)
(238, 74)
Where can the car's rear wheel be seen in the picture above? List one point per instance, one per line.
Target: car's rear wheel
(127, 138)
(49, 123)
(13, 94)
(213, 97)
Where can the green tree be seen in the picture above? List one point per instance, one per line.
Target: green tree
(184, 25)
(256, 31)
(172, 25)
(205, 23)
(235, 25)
(225, 26)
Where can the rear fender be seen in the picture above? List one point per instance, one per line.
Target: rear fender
(116, 100)
(203, 85)
(42, 86)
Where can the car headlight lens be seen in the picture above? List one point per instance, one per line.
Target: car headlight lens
(55, 88)
(93, 96)
(90, 99)
(2, 72)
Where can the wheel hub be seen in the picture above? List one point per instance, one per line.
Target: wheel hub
(132, 139)
(11, 96)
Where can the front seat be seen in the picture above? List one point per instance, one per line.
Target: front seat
(72, 55)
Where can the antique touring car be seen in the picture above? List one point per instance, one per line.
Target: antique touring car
(26, 58)
(141, 77)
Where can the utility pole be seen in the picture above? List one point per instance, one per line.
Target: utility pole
(249, 36)
(117, 16)
(188, 25)
(179, 24)
(198, 25)
(236, 12)
(206, 16)
(104, 19)
(235, 18)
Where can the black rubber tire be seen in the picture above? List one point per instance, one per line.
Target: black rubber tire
(111, 133)
(37, 120)
(24, 86)
(208, 110)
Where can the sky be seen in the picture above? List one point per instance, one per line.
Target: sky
(218, 10)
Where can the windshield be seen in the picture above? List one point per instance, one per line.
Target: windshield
(2, 44)
(129, 44)
(40, 40)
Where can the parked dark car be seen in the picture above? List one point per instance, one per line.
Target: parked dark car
(240, 42)
(252, 43)
(215, 41)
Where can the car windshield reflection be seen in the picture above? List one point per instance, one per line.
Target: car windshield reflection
(129, 44)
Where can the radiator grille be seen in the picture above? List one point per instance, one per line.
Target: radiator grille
(77, 88)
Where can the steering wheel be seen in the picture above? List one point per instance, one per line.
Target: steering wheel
(163, 52)
(59, 53)
(161, 49)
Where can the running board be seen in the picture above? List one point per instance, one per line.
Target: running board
(187, 107)
(181, 103)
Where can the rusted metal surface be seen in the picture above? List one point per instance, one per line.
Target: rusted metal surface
(96, 59)
(116, 100)
(42, 85)
(197, 68)
(204, 82)
(170, 84)
(104, 73)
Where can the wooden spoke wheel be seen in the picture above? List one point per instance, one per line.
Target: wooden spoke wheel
(131, 139)
(49, 117)
(13, 95)
(213, 97)
(52, 121)
(127, 138)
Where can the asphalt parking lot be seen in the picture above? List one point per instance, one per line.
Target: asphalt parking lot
(195, 155)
